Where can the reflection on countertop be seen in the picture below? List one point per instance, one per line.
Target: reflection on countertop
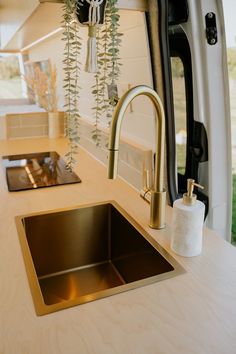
(37, 170)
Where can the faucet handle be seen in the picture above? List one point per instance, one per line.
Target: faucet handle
(145, 192)
(148, 170)
(146, 179)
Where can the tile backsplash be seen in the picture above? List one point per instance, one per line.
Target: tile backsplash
(133, 157)
(28, 125)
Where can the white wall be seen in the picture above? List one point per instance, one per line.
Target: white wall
(138, 125)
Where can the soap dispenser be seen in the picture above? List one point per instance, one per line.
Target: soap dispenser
(187, 223)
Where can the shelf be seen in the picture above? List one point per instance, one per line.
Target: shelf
(32, 31)
(139, 5)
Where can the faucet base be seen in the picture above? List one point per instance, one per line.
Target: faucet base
(157, 210)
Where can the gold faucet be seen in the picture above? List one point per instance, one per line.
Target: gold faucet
(157, 194)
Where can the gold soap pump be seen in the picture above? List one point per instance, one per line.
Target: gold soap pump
(190, 198)
(187, 223)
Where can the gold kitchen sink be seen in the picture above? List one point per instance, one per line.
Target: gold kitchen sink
(81, 254)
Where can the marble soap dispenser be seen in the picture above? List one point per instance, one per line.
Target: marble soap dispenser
(187, 223)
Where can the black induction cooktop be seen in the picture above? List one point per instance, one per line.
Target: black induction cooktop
(37, 170)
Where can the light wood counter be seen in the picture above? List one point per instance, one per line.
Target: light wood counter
(192, 313)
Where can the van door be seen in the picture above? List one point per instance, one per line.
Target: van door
(194, 65)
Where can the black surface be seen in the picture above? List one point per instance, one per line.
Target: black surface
(82, 12)
(37, 170)
(177, 12)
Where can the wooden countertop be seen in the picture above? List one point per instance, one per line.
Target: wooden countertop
(191, 313)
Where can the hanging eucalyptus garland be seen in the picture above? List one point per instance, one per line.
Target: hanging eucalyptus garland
(108, 40)
(114, 42)
(108, 68)
(99, 90)
(71, 66)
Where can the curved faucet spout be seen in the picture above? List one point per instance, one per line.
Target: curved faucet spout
(157, 218)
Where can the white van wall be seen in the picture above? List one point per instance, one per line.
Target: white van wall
(211, 107)
(136, 69)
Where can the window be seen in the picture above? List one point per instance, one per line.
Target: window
(178, 81)
(185, 135)
(190, 135)
(11, 85)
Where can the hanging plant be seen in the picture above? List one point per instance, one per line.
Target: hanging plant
(71, 66)
(102, 60)
(114, 43)
(91, 13)
(108, 68)
(98, 90)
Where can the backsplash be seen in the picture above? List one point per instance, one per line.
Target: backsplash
(133, 158)
(28, 125)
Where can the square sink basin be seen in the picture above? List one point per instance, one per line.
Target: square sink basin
(73, 256)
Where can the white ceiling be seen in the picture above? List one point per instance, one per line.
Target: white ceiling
(12, 16)
(43, 20)
(22, 22)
